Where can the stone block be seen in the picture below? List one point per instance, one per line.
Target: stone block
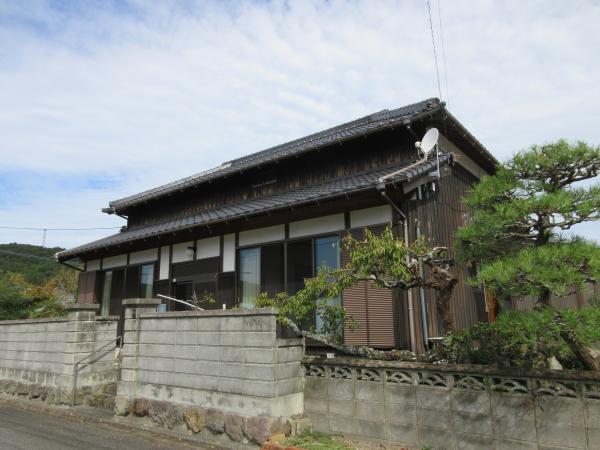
(141, 407)
(473, 441)
(234, 427)
(471, 401)
(513, 416)
(434, 418)
(511, 444)
(340, 407)
(401, 414)
(195, 419)
(258, 429)
(342, 424)
(432, 398)
(215, 421)
(368, 390)
(398, 393)
(560, 422)
(337, 389)
(370, 428)
(405, 435)
(123, 405)
(436, 438)
(467, 422)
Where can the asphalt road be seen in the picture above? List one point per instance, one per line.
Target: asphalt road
(32, 430)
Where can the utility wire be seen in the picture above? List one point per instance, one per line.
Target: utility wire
(437, 71)
(443, 53)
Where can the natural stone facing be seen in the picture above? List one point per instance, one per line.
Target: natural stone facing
(416, 405)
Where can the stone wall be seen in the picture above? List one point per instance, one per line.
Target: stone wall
(453, 407)
(37, 356)
(227, 369)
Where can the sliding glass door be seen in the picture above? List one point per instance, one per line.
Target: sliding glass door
(249, 276)
(327, 257)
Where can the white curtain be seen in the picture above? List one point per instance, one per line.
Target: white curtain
(250, 275)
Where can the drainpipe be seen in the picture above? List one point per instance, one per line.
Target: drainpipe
(411, 311)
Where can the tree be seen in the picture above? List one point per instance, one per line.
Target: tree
(518, 216)
(383, 260)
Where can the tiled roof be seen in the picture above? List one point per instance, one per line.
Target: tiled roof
(362, 126)
(334, 188)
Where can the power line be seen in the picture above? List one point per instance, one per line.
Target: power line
(443, 53)
(437, 71)
(58, 229)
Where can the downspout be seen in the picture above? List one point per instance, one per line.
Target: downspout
(411, 311)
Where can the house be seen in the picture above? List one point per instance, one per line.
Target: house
(266, 221)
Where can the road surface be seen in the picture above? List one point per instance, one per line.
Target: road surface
(31, 430)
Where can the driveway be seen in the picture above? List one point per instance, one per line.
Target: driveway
(31, 430)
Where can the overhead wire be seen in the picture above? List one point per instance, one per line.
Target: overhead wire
(443, 52)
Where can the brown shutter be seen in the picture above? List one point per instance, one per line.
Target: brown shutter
(87, 287)
(371, 307)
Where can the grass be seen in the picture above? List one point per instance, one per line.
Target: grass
(312, 440)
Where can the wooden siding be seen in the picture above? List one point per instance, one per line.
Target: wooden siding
(86, 289)
(438, 214)
(385, 149)
(575, 300)
(371, 307)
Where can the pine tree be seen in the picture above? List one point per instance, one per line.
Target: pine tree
(520, 214)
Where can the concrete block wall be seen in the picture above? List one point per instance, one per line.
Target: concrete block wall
(228, 360)
(43, 352)
(451, 407)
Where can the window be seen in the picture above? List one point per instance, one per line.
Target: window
(327, 255)
(106, 285)
(146, 279)
(299, 264)
(249, 276)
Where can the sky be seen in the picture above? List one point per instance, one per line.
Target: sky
(103, 99)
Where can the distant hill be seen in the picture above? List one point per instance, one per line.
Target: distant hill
(35, 263)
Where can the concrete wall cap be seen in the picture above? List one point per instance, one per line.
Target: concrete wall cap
(31, 321)
(212, 313)
(82, 307)
(141, 301)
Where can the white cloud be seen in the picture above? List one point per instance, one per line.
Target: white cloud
(158, 90)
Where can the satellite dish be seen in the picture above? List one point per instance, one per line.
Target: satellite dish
(429, 141)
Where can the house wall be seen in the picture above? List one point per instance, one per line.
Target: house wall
(37, 356)
(452, 407)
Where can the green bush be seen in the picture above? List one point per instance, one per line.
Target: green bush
(521, 339)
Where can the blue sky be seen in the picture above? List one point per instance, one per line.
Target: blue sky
(102, 99)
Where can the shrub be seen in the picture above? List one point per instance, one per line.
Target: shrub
(521, 339)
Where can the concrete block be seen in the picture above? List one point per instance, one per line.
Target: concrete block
(432, 398)
(471, 401)
(342, 424)
(207, 338)
(231, 354)
(468, 422)
(320, 422)
(436, 438)
(232, 338)
(593, 436)
(289, 386)
(288, 370)
(207, 367)
(513, 416)
(560, 422)
(183, 365)
(511, 444)
(289, 354)
(405, 435)
(368, 390)
(260, 355)
(593, 413)
(187, 338)
(370, 429)
(340, 407)
(259, 339)
(207, 353)
(260, 323)
(185, 323)
(397, 393)
(208, 323)
(337, 389)
(370, 410)
(473, 441)
(434, 418)
(401, 414)
(317, 405)
(231, 323)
